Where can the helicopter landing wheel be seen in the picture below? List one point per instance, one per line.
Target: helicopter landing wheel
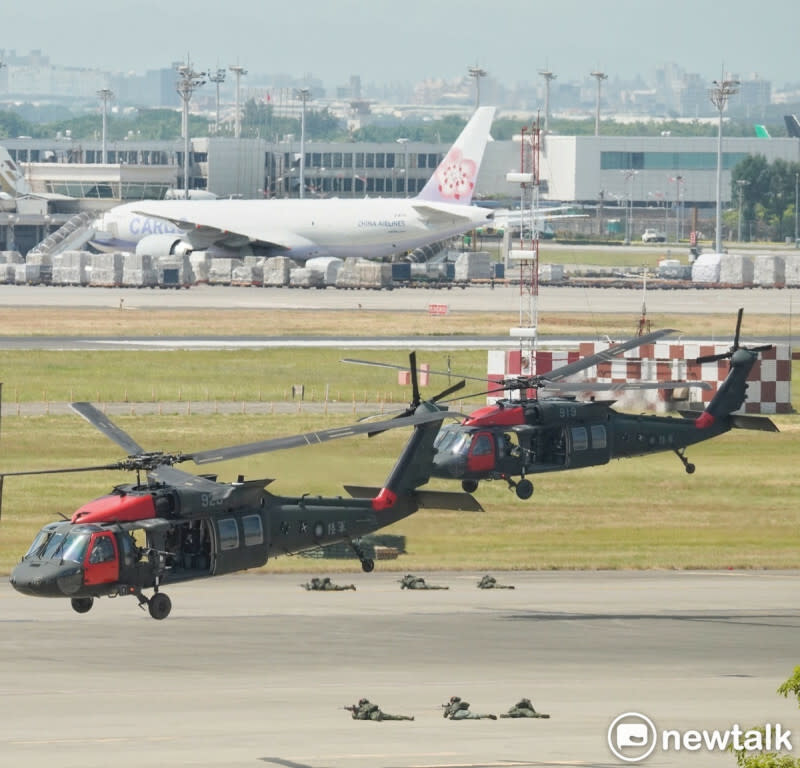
(82, 604)
(159, 606)
(687, 465)
(367, 565)
(524, 489)
(469, 486)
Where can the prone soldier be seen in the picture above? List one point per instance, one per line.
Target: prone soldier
(524, 708)
(490, 582)
(366, 710)
(456, 709)
(409, 581)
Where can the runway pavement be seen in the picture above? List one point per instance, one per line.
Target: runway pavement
(478, 298)
(252, 670)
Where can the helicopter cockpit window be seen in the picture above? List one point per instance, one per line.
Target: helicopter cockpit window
(102, 550)
(580, 439)
(41, 538)
(253, 531)
(228, 534)
(444, 440)
(482, 446)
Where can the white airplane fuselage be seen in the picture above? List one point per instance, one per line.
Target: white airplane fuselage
(367, 228)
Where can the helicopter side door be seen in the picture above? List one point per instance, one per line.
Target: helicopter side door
(482, 453)
(101, 565)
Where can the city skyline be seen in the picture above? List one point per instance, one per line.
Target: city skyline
(385, 43)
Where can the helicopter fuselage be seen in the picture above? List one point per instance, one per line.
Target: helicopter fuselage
(516, 438)
(99, 552)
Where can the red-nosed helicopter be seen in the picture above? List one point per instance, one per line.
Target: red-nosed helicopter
(195, 526)
(531, 435)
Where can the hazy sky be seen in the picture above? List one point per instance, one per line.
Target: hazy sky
(410, 40)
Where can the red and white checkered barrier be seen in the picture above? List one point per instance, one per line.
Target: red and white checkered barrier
(769, 384)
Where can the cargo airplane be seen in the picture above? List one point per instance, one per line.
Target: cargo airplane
(373, 228)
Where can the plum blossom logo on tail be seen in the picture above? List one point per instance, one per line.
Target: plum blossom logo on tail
(456, 175)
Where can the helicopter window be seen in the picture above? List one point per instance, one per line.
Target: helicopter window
(598, 436)
(40, 539)
(444, 439)
(461, 445)
(75, 547)
(102, 550)
(228, 534)
(253, 532)
(482, 446)
(54, 545)
(580, 438)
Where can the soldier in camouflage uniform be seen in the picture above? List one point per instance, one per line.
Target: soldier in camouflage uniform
(366, 710)
(456, 709)
(490, 582)
(325, 585)
(524, 708)
(409, 581)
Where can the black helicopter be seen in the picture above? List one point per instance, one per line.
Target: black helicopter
(195, 526)
(549, 433)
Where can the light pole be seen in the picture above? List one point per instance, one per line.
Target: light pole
(628, 204)
(599, 76)
(548, 76)
(217, 78)
(719, 98)
(303, 94)
(237, 70)
(404, 142)
(741, 183)
(796, 181)
(188, 81)
(477, 73)
(105, 95)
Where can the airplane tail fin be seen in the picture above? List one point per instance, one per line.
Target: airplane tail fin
(454, 179)
(761, 131)
(792, 125)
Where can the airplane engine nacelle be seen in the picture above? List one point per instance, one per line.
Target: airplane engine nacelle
(163, 245)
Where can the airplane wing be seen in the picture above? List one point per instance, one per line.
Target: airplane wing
(205, 227)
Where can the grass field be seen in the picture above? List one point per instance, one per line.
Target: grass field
(740, 510)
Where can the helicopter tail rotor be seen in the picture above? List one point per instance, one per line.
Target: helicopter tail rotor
(729, 354)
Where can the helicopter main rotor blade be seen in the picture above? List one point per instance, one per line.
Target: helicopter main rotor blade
(619, 386)
(312, 438)
(405, 368)
(64, 470)
(100, 421)
(607, 354)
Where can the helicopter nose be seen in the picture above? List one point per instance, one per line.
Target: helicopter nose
(46, 579)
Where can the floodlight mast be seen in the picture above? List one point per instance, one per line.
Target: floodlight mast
(477, 73)
(217, 78)
(719, 95)
(548, 77)
(599, 76)
(188, 82)
(105, 96)
(304, 94)
(237, 70)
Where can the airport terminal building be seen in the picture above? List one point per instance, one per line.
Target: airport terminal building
(604, 171)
